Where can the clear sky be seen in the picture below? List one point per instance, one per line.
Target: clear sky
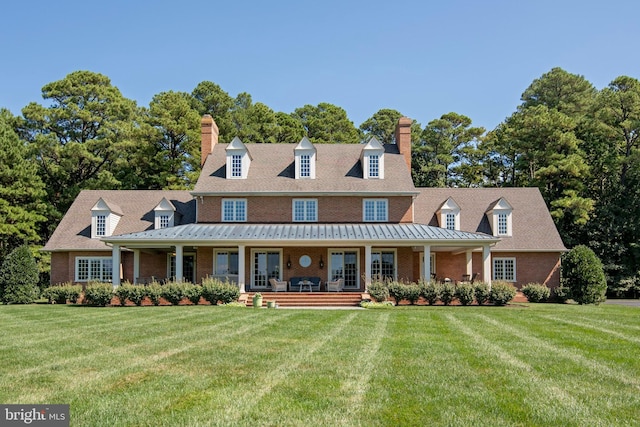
(422, 58)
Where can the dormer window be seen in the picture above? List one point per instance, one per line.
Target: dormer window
(305, 159)
(165, 213)
(104, 219)
(372, 159)
(238, 160)
(500, 218)
(449, 215)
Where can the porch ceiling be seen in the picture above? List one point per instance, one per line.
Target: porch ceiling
(307, 234)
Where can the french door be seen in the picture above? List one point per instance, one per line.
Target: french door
(267, 264)
(344, 264)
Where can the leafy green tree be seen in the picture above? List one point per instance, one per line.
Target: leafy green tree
(78, 139)
(445, 143)
(327, 124)
(171, 131)
(209, 98)
(570, 94)
(289, 130)
(19, 277)
(583, 274)
(382, 125)
(21, 191)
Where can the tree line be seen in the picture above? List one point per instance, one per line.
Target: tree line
(579, 145)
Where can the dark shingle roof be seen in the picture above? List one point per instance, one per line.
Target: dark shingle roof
(272, 170)
(533, 227)
(74, 231)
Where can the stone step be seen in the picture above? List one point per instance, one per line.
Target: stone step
(308, 299)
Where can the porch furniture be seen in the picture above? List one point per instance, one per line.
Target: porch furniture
(466, 278)
(335, 286)
(296, 282)
(304, 283)
(475, 277)
(277, 285)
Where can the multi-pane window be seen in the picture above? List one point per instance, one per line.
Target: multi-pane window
(236, 165)
(94, 268)
(305, 210)
(383, 265)
(344, 265)
(234, 210)
(101, 225)
(374, 166)
(226, 262)
(502, 224)
(375, 210)
(451, 221)
(504, 269)
(305, 166)
(164, 221)
(266, 265)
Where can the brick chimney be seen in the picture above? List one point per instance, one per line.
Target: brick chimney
(209, 137)
(403, 139)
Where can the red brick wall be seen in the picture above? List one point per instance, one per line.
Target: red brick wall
(330, 209)
(60, 268)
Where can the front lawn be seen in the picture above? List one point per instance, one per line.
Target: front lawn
(542, 365)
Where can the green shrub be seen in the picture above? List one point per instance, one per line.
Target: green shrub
(447, 293)
(174, 292)
(398, 291)
(501, 292)
(378, 291)
(193, 292)
(131, 292)
(98, 294)
(430, 291)
(153, 291)
(561, 294)
(583, 274)
(376, 304)
(215, 290)
(535, 292)
(465, 293)
(481, 293)
(19, 277)
(60, 294)
(412, 293)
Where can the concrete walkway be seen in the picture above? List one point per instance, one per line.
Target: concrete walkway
(629, 302)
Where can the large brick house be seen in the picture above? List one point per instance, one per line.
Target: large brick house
(319, 212)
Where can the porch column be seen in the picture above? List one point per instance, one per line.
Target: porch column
(241, 264)
(179, 261)
(486, 264)
(115, 265)
(136, 265)
(469, 255)
(367, 265)
(426, 263)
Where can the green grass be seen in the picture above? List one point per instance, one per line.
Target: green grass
(541, 365)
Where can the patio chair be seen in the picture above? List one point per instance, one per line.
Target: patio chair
(335, 286)
(277, 286)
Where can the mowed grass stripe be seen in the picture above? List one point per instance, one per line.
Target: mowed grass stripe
(523, 377)
(597, 368)
(590, 325)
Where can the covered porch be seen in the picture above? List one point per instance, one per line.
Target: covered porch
(250, 255)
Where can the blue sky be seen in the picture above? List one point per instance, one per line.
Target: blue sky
(422, 58)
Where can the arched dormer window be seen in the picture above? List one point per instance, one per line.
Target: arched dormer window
(305, 158)
(500, 218)
(449, 215)
(238, 160)
(165, 214)
(104, 218)
(372, 159)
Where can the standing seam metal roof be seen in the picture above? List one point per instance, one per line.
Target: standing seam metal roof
(300, 232)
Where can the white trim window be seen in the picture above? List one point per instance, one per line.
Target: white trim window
(94, 269)
(503, 228)
(383, 264)
(236, 165)
(225, 262)
(164, 220)
(305, 166)
(305, 210)
(504, 269)
(101, 225)
(451, 221)
(374, 166)
(375, 210)
(234, 210)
